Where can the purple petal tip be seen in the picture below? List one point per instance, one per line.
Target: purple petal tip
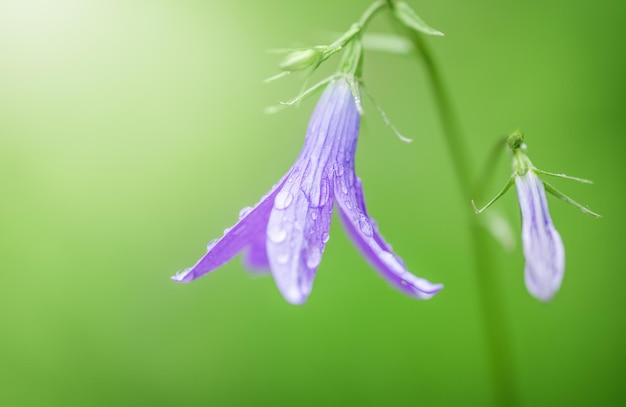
(180, 276)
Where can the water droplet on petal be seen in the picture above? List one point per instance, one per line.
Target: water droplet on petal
(366, 226)
(314, 258)
(283, 199)
(344, 189)
(324, 192)
(314, 215)
(319, 192)
(212, 243)
(227, 230)
(244, 211)
(282, 258)
(277, 235)
(325, 237)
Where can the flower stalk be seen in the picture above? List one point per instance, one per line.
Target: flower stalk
(489, 292)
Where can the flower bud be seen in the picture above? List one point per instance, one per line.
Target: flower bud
(301, 59)
(515, 140)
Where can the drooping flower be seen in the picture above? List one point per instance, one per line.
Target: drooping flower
(288, 229)
(543, 248)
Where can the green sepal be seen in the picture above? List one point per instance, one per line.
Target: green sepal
(506, 187)
(303, 95)
(552, 174)
(569, 200)
(355, 89)
(352, 60)
(351, 67)
(299, 60)
(403, 12)
(385, 118)
(276, 77)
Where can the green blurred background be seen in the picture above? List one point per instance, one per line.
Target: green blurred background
(132, 132)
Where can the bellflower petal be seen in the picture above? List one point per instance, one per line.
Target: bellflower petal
(255, 257)
(288, 229)
(543, 247)
(363, 232)
(242, 234)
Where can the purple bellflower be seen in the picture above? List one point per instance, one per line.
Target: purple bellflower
(542, 245)
(288, 229)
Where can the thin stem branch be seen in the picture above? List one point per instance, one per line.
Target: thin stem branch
(356, 28)
(451, 128)
(489, 290)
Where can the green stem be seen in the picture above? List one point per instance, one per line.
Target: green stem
(356, 28)
(452, 131)
(371, 11)
(489, 289)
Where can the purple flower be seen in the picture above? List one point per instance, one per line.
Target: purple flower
(288, 229)
(543, 247)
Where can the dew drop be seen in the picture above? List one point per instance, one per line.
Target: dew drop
(325, 237)
(314, 215)
(211, 244)
(283, 200)
(282, 258)
(227, 230)
(324, 192)
(319, 193)
(244, 211)
(366, 226)
(277, 235)
(344, 189)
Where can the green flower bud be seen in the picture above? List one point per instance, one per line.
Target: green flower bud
(301, 59)
(515, 140)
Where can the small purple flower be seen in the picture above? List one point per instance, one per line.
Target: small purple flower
(543, 247)
(288, 229)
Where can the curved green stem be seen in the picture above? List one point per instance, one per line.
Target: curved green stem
(489, 289)
(356, 28)
(451, 128)
(371, 12)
